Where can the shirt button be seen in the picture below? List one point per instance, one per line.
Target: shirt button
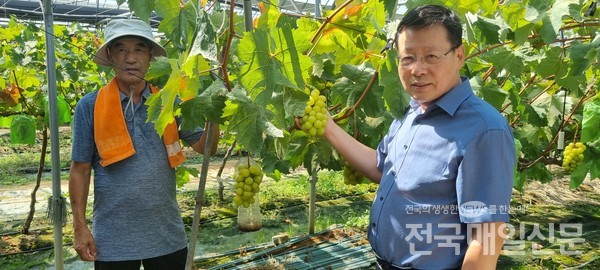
(405, 147)
(381, 198)
(374, 225)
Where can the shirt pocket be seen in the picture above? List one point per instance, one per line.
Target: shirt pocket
(424, 175)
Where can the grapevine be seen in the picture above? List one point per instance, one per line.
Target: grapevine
(315, 114)
(573, 155)
(248, 176)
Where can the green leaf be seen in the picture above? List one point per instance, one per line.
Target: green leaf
(161, 104)
(512, 13)
(5, 121)
(273, 166)
(196, 67)
(390, 7)
(522, 33)
(488, 30)
(591, 121)
(552, 63)
(161, 67)
(288, 104)
(579, 57)
(205, 43)
(561, 9)
(579, 174)
(262, 71)
(508, 60)
(208, 105)
(298, 148)
(142, 8)
(536, 116)
(572, 83)
(395, 96)
(489, 92)
(519, 182)
(474, 6)
(249, 121)
(547, 31)
(178, 23)
(184, 173)
(348, 89)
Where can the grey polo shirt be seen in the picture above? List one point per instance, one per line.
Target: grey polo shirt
(135, 213)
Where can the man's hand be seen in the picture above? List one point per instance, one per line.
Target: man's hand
(84, 244)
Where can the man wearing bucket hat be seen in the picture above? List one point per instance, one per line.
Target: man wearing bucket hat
(136, 219)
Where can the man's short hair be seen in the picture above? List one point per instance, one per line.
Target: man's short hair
(428, 15)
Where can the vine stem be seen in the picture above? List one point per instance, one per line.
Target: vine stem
(362, 97)
(488, 73)
(227, 50)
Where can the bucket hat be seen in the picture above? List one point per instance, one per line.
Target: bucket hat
(126, 27)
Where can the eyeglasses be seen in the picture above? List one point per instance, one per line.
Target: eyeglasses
(409, 61)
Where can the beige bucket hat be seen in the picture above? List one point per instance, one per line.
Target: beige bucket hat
(126, 27)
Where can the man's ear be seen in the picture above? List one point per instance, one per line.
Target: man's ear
(461, 53)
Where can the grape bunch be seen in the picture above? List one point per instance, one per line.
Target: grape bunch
(351, 175)
(248, 176)
(572, 156)
(315, 114)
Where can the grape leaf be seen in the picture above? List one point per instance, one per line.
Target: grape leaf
(249, 121)
(490, 92)
(178, 23)
(263, 72)
(348, 89)
(208, 105)
(205, 43)
(142, 8)
(394, 94)
(552, 63)
(591, 120)
(288, 104)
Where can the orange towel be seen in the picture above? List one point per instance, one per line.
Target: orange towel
(110, 131)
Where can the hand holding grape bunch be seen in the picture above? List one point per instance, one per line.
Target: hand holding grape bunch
(573, 156)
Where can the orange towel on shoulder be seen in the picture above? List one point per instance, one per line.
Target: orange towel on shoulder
(110, 130)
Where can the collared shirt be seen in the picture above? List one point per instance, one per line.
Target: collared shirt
(442, 169)
(135, 213)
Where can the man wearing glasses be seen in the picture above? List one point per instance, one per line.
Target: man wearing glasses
(445, 171)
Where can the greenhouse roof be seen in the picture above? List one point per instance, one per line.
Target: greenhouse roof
(95, 11)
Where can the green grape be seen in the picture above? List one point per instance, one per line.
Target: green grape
(315, 114)
(248, 176)
(573, 156)
(351, 176)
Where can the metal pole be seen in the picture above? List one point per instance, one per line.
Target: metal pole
(248, 15)
(317, 8)
(57, 199)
